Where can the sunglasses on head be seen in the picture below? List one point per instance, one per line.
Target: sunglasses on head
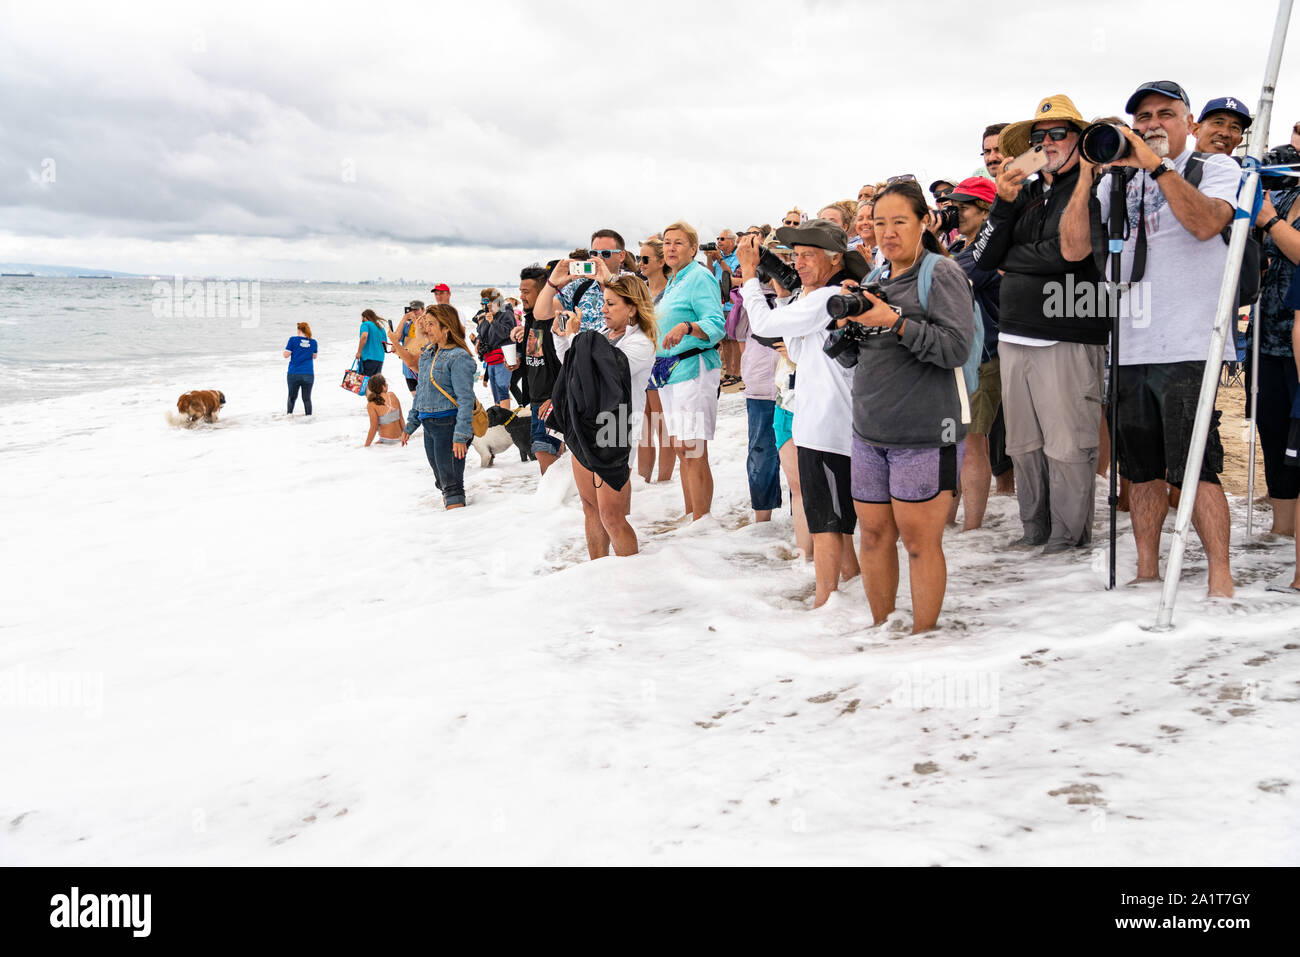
(1168, 87)
(900, 178)
(605, 253)
(1057, 133)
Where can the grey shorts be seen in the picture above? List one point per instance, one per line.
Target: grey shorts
(907, 475)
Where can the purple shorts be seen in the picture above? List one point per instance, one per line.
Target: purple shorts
(907, 475)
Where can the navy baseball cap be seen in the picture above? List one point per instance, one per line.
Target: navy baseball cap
(1164, 87)
(1227, 104)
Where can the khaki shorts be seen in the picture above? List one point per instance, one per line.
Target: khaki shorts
(1051, 398)
(987, 398)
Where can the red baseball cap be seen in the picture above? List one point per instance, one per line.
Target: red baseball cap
(441, 287)
(974, 187)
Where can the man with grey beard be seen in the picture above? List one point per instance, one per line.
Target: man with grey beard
(1051, 342)
(1174, 262)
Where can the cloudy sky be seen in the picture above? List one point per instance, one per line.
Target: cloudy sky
(461, 140)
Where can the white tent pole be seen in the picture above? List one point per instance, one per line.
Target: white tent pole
(1227, 310)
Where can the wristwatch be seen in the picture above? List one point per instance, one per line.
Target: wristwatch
(1166, 165)
(1271, 223)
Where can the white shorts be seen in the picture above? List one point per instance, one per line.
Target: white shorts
(691, 407)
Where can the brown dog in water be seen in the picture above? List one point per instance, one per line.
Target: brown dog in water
(201, 404)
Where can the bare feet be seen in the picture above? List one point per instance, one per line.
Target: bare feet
(1221, 585)
(1144, 579)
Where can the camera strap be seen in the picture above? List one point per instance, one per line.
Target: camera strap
(1140, 247)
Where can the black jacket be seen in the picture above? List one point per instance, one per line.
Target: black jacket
(591, 406)
(1036, 298)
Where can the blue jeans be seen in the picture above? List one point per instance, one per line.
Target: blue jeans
(762, 463)
(299, 381)
(499, 381)
(448, 471)
(543, 441)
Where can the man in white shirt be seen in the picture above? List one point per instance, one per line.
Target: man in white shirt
(1166, 320)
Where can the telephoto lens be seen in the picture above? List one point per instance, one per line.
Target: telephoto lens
(847, 304)
(771, 266)
(1103, 143)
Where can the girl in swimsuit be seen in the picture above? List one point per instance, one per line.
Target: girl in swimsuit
(385, 413)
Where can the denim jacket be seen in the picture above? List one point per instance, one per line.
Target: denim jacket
(454, 371)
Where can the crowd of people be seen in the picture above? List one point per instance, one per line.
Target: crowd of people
(899, 354)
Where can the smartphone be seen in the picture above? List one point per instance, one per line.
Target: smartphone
(582, 267)
(1030, 161)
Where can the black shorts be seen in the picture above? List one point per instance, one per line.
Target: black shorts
(827, 481)
(1157, 411)
(411, 384)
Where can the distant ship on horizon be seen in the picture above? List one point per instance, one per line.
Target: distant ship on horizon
(22, 275)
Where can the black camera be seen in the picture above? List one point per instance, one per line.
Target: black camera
(708, 247)
(1103, 143)
(771, 266)
(947, 217)
(1283, 155)
(854, 303)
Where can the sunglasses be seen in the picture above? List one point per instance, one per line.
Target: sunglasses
(1169, 88)
(605, 253)
(790, 222)
(644, 260)
(900, 178)
(1057, 133)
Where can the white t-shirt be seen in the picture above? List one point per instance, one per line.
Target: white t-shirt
(1171, 316)
(823, 419)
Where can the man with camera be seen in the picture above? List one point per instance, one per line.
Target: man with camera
(574, 286)
(1051, 342)
(1173, 262)
(823, 422)
(721, 258)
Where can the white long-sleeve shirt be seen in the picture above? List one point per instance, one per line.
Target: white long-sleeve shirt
(640, 352)
(823, 417)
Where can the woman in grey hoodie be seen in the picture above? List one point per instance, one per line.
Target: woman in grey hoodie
(910, 407)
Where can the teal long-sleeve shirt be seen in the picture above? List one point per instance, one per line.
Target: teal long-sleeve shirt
(693, 295)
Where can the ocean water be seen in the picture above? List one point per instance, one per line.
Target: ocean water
(62, 336)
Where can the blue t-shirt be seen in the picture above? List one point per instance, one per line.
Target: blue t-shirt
(374, 347)
(300, 352)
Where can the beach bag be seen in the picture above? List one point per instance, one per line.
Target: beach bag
(480, 421)
(354, 381)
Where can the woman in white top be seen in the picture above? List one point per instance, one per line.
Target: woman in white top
(630, 326)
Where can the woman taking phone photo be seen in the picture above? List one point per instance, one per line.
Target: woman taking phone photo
(687, 366)
(444, 398)
(630, 326)
(910, 407)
